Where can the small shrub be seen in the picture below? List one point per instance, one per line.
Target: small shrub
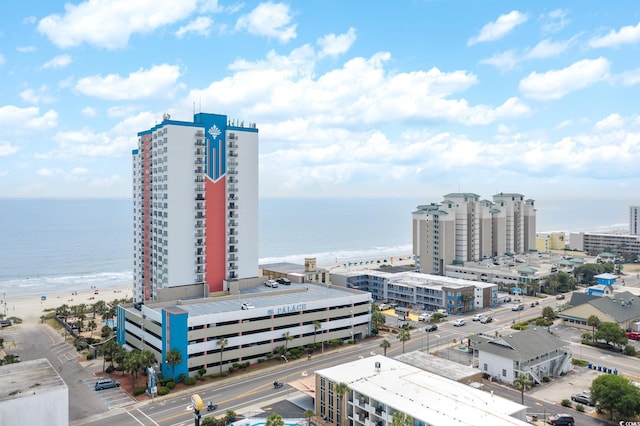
(566, 403)
(629, 350)
(81, 345)
(171, 384)
(261, 360)
(214, 375)
(190, 381)
(181, 377)
(89, 356)
(580, 362)
(580, 408)
(546, 379)
(110, 369)
(209, 421)
(139, 390)
(162, 390)
(202, 372)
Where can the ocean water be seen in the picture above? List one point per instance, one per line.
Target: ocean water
(56, 245)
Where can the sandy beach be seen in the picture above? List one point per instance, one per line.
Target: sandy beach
(30, 308)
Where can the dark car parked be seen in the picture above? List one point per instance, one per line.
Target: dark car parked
(431, 327)
(284, 281)
(562, 420)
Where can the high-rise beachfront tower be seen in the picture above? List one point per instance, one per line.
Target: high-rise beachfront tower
(195, 206)
(464, 228)
(634, 220)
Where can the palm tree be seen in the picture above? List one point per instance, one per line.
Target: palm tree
(91, 325)
(377, 319)
(593, 321)
(109, 350)
(287, 337)
(404, 336)
(466, 298)
(173, 358)
(385, 345)
(133, 362)
(316, 326)
(274, 420)
(308, 414)
(222, 342)
(340, 389)
(401, 419)
(523, 383)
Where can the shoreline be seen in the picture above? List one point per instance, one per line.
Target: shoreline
(29, 308)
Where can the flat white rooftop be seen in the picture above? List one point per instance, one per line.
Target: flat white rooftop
(425, 396)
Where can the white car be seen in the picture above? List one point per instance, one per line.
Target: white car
(459, 322)
(477, 317)
(246, 306)
(426, 317)
(271, 283)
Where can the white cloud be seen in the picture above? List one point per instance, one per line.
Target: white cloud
(557, 83)
(79, 171)
(510, 59)
(547, 48)
(7, 149)
(554, 21)
(201, 25)
(359, 92)
(59, 61)
(629, 78)
(336, 45)
(626, 35)
(272, 20)
(26, 49)
(500, 28)
(88, 112)
(504, 61)
(14, 118)
(158, 81)
(37, 96)
(49, 172)
(613, 121)
(2, 60)
(110, 23)
(85, 143)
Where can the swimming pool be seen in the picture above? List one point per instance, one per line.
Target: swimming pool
(110, 323)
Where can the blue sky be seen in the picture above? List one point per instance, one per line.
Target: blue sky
(351, 98)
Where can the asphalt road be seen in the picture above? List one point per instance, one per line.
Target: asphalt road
(254, 395)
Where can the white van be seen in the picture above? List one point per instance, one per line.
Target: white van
(517, 307)
(443, 312)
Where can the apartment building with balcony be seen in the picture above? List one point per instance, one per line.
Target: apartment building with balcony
(464, 228)
(370, 391)
(195, 205)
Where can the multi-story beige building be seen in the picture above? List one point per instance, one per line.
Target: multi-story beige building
(464, 228)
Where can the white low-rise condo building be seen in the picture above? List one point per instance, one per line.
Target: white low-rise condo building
(371, 391)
